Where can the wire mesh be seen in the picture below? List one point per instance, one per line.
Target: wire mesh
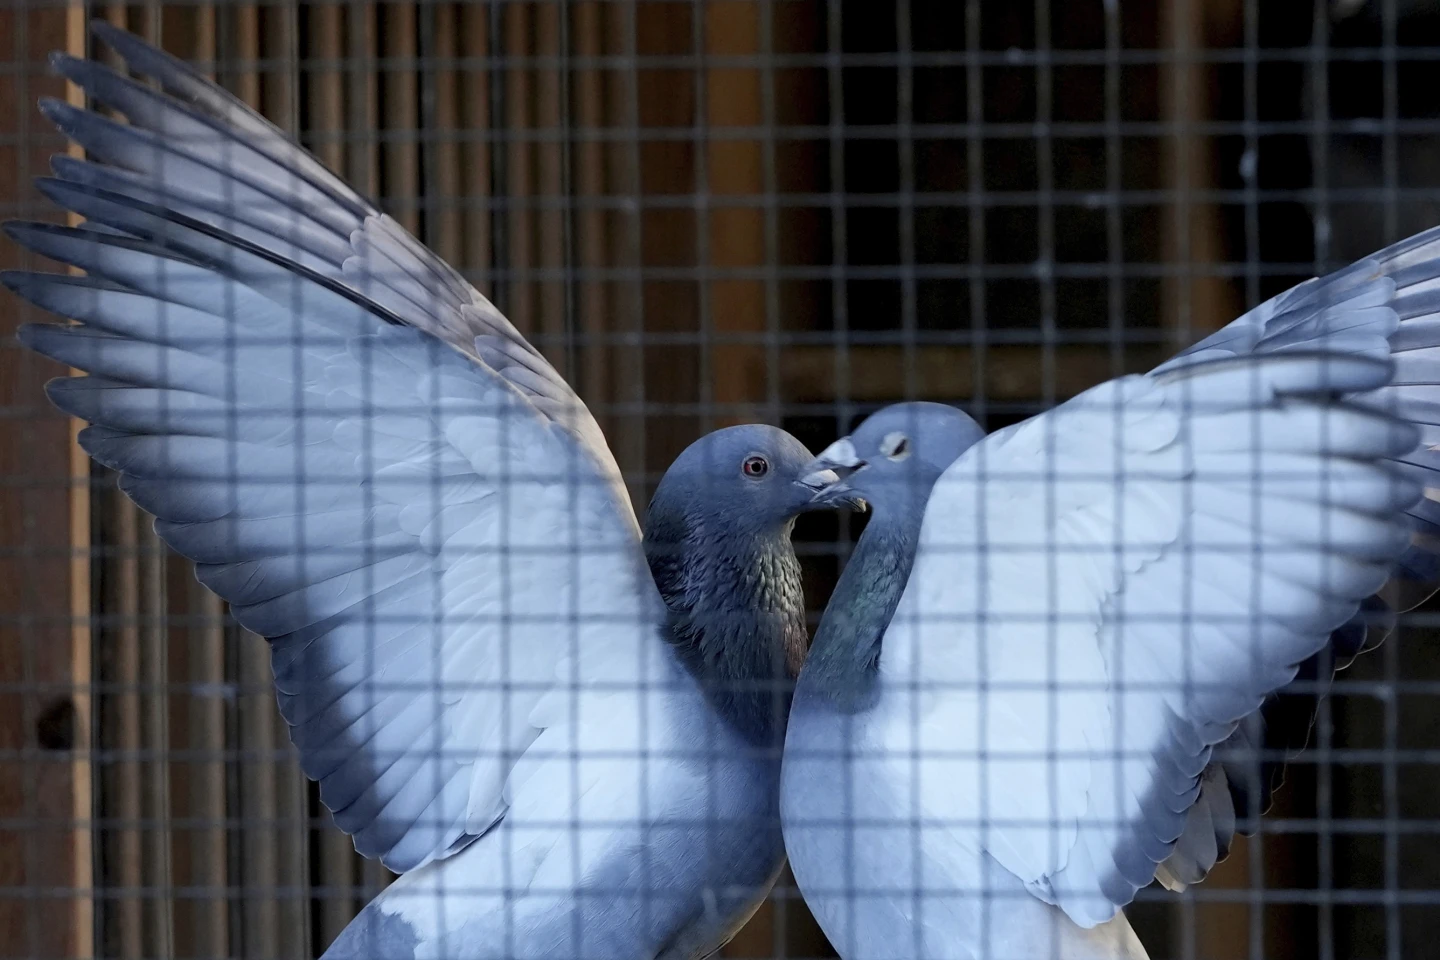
(707, 212)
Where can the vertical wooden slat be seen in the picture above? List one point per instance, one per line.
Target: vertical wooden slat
(1198, 300)
(668, 235)
(124, 919)
(155, 734)
(1194, 303)
(521, 304)
(82, 925)
(627, 434)
(246, 50)
(400, 105)
(549, 111)
(325, 92)
(278, 45)
(197, 726)
(45, 721)
(123, 914)
(736, 233)
(444, 217)
(362, 112)
(155, 676)
(599, 376)
(336, 875)
(474, 37)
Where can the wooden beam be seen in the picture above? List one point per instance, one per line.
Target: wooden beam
(735, 235)
(1199, 301)
(518, 228)
(362, 101)
(81, 638)
(46, 856)
(598, 244)
(443, 152)
(325, 86)
(946, 373)
(475, 92)
(400, 108)
(1194, 304)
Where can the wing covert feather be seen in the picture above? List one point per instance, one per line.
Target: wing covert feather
(315, 409)
(1100, 596)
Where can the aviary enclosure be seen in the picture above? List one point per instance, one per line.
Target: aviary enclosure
(707, 212)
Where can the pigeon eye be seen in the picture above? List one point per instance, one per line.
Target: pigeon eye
(896, 446)
(755, 467)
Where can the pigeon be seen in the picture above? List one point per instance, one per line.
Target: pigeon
(565, 737)
(1039, 674)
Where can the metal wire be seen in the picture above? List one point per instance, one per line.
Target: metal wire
(707, 212)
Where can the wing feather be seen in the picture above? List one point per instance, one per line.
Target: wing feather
(195, 150)
(1103, 593)
(1394, 295)
(328, 444)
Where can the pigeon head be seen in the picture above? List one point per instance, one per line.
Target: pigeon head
(749, 480)
(893, 461)
(717, 538)
(894, 457)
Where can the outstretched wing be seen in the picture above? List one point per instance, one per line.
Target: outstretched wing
(1103, 592)
(200, 152)
(427, 545)
(1386, 305)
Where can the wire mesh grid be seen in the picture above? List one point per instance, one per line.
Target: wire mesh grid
(708, 212)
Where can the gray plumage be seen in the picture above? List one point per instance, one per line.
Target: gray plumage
(368, 462)
(1056, 708)
(728, 573)
(903, 449)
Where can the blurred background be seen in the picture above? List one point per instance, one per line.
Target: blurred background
(713, 211)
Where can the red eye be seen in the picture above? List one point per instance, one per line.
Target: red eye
(755, 467)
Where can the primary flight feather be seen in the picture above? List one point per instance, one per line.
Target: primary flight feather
(567, 741)
(1029, 698)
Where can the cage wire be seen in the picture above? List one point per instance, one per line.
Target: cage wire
(707, 212)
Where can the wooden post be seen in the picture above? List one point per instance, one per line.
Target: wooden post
(734, 171)
(45, 711)
(400, 109)
(1193, 304)
(1196, 301)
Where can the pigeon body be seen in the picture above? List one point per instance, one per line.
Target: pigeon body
(562, 752)
(1100, 603)
(686, 840)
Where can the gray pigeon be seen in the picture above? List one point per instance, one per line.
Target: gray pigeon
(383, 479)
(1024, 702)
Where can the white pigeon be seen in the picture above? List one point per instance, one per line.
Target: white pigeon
(1008, 721)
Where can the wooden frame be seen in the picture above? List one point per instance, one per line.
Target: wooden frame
(45, 710)
(159, 628)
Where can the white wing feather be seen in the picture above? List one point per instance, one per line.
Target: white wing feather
(1387, 304)
(1103, 591)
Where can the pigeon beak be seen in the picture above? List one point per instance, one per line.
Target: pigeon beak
(826, 475)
